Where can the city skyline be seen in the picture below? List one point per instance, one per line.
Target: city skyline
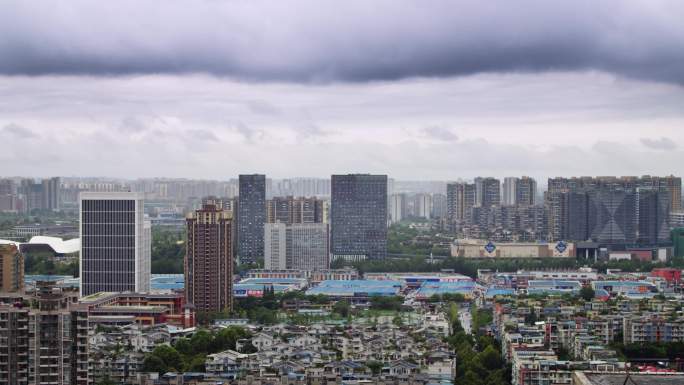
(326, 192)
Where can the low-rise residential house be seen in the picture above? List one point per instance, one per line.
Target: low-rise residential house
(400, 369)
(263, 341)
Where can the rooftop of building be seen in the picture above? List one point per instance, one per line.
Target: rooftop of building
(634, 378)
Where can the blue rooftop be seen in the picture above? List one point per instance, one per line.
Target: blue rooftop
(356, 288)
(284, 281)
(428, 289)
(167, 281)
(495, 291)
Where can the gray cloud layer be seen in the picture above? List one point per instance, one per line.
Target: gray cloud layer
(305, 41)
(206, 127)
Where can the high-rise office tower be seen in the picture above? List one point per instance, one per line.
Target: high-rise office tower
(11, 269)
(490, 192)
(275, 247)
(116, 243)
(674, 185)
(307, 246)
(51, 194)
(300, 246)
(45, 342)
(32, 193)
(397, 207)
(359, 216)
(439, 206)
(509, 193)
(279, 209)
(654, 215)
(209, 258)
(422, 205)
(7, 187)
(295, 210)
(461, 198)
(671, 184)
(612, 215)
(478, 190)
(525, 191)
(568, 215)
(45, 195)
(251, 218)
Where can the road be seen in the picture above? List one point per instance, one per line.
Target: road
(465, 318)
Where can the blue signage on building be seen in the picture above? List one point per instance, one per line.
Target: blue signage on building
(561, 247)
(489, 247)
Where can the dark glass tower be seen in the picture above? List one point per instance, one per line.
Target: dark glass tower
(251, 217)
(654, 215)
(359, 216)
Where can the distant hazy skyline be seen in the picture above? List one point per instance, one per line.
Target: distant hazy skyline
(432, 90)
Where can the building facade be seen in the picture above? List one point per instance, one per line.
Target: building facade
(295, 210)
(654, 213)
(398, 207)
(275, 248)
(359, 216)
(11, 269)
(488, 191)
(525, 191)
(46, 342)
(298, 246)
(461, 198)
(307, 246)
(509, 191)
(422, 205)
(115, 243)
(251, 218)
(209, 258)
(613, 211)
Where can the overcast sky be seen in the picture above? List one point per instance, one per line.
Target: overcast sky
(414, 89)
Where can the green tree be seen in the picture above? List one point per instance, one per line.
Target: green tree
(342, 308)
(163, 358)
(196, 364)
(398, 321)
(200, 342)
(587, 293)
(153, 363)
(374, 366)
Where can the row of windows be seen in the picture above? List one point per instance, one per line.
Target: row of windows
(122, 241)
(108, 205)
(108, 216)
(108, 229)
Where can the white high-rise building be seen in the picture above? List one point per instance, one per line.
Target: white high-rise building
(300, 246)
(275, 248)
(307, 246)
(509, 191)
(422, 205)
(398, 207)
(116, 243)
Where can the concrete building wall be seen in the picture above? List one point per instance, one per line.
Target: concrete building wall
(11, 269)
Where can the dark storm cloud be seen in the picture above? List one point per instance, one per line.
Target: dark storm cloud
(664, 144)
(440, 133)
(17, 131)
(311, 41)
(132, 124)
